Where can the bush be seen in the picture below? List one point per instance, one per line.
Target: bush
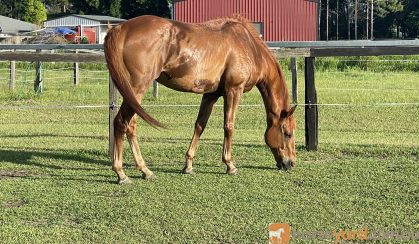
(370, 63)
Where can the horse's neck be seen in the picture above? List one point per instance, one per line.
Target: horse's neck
(275, 96)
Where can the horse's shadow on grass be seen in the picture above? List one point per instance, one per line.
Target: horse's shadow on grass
(176, 169)
(25, 157)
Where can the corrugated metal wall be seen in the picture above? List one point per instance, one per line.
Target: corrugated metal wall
(283, 20)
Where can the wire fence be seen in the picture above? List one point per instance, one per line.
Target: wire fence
(362, 106)
(61, 75)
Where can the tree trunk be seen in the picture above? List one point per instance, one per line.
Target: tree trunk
(337, 20)
(320, 17)
(366, 22)
(372, 20)
(327, 20)
(349, 19)
(356, 19)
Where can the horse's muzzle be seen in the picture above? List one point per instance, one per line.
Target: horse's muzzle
(282, 162)
(285, 164)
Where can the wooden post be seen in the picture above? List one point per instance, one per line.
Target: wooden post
(311, 112)
(76, 72)
(294, 80)
(38, 75)
(12, 76)
(113, 109)
(155, 88)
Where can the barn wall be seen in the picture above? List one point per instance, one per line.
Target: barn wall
(283, 20)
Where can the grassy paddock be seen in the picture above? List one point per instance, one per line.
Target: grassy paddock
(56, 183)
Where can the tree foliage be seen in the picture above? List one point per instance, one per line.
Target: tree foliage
(410, 23)
(391, 19)
(56, 6)
(12, 8)
(115, 8)
(122, 8)
(34, 12)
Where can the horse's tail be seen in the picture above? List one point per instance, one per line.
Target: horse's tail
(120, 75)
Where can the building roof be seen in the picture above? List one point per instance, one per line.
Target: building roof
(83, 20)
(100, 18)
(14, 26)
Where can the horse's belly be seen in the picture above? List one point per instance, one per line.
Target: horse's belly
(189, 84)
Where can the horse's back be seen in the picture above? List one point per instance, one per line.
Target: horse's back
(193, 57)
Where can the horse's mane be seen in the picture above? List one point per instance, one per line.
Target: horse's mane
(237, 18)
(221, 22)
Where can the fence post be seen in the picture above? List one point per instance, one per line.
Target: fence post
(294, 80)
(155, 88)
(38, 75)
(113, 109)
(12, 76)
(76, 71)
(311, 112)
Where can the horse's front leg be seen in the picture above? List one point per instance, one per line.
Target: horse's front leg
(231, 102)
(207, 103)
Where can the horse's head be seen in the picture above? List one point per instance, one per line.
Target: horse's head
(280, 139)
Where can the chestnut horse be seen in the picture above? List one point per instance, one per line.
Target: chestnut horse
(223, 57)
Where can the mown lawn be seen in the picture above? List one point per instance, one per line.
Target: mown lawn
(57, 186)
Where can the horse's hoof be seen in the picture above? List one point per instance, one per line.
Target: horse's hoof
(124, 181)
(149, 177)
(188, 171)
(234, 171)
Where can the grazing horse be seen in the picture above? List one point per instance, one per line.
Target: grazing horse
(223, 57)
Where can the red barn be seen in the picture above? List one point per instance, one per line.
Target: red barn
(277, 20)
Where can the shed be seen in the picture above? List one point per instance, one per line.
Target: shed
(12, 27)
(97, 24)
(276, 20)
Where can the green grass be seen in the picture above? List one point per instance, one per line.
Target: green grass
(57, 186)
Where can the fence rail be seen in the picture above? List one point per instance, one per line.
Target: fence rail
(308, 50)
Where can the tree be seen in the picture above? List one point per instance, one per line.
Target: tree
(34, 12)
(115, 8)
(134, 8)
(86, 6)
(11, 8)
(410, 19)
(387, 14)
(352, 18)
(56, 6)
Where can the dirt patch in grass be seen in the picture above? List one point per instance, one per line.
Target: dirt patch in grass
(15, 203)
(12, 174)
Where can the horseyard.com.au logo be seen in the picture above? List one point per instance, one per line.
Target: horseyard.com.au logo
(279, 233)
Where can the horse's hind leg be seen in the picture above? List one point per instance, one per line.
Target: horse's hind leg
(121, 122)
(207, 103)
(139, 161)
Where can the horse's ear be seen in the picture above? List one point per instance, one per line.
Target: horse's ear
(287, 113)
(291, 110)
